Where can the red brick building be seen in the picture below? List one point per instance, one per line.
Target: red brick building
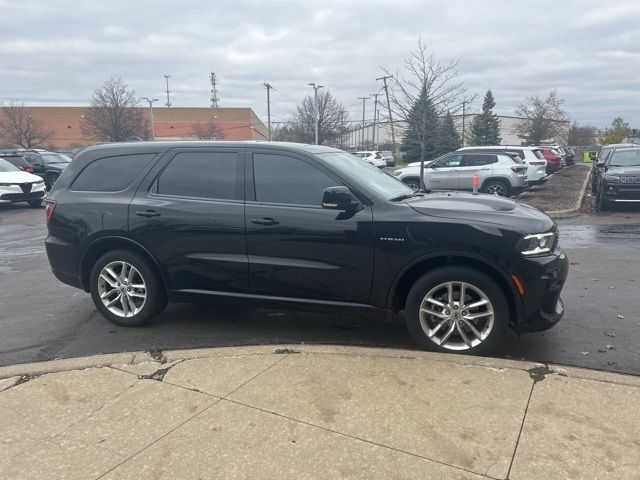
(173, 123)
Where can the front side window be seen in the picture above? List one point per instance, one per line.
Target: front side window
(449, 161)
(111, 174)
(283, 179)
(200, 174)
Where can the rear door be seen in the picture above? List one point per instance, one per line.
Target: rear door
(475, 164)
(189, 213)
(296, 248)
(443, 173)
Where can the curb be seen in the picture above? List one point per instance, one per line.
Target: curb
(171, 356)
(577, 209)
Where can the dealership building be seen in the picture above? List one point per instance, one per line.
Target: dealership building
(170, 123)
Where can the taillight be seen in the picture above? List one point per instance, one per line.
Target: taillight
(48, 211)
(28, 169)
(519, 169)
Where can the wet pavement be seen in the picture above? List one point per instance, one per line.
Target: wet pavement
(41, 319)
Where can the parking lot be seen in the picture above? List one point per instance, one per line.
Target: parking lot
(43, 319)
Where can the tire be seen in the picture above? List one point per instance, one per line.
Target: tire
(35, 203)
(140, 310)
(412, 182)
(492, 323)
(603, 205)
(497, 187)
(50, 180)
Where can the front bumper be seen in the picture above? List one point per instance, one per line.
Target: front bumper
(543, 278)
(7, 196)
(621, 193)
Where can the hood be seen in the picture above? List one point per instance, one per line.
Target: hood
(19, 176)
(482, 209)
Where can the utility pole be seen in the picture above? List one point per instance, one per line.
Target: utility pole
(375, 119)
(153, 129)
(386, 91)
(315, 107)
(364, 100)
(214, 91)
(268, 87)
(167, 77)
(464, 113)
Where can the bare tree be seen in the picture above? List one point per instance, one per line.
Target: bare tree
(541, 118)
(424, 89)
(209, 130)
(113, 115)
(19, 127)
(583, 135)
(332, 120)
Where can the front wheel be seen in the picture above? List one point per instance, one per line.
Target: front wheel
(457, 310)
(126, 288)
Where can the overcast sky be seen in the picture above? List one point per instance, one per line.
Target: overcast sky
(56, 52)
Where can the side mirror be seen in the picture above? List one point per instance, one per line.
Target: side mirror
(599, 164)
(339, 198)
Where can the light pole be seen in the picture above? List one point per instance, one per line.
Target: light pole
(315, 107)
(386, 91)
(167, 77)
(375, 118)
(151, 100)
(268, 87)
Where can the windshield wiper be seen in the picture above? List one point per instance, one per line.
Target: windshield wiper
(405, 196)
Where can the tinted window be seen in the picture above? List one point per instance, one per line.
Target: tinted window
(473, 160)
(17, 161)
(538, 154)
(55, 158)
(111, 174)
(7, 167)
(283, 179)
(200, 174)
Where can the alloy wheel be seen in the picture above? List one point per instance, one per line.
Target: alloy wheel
(497, 189)
(122, 289)
(456, 315)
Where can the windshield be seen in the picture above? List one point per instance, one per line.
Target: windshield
(351, 166)
(55, 158)
(7, 167)
(628, 158)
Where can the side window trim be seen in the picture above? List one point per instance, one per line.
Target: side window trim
(167, 158)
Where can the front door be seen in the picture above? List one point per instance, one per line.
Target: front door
(296, 248)
(442, 174)
(189, 214)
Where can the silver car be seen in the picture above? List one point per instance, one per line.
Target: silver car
(498, 174)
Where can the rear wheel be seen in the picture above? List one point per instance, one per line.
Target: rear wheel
(497, 187)
(457, 310)
(126, 288)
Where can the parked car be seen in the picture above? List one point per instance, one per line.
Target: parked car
(499, 174)
(303, 226)
(554, 161)
(375, 158)
(17, 161)
(532, 157)
(388, 157)
(604, 151)
(48, 165)
(16, 185)
(570, 155)
(619, 178)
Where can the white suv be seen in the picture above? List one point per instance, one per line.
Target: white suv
(498, 174)
(532, 156)
(373, 157)
(19, 186)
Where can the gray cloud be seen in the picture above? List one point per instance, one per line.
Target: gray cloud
(57, 52)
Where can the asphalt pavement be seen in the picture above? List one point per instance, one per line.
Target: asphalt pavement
(43, 319)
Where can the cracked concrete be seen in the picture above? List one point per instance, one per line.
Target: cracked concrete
(309, 412)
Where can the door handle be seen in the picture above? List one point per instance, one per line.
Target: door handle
(265, 221)
(147, 213)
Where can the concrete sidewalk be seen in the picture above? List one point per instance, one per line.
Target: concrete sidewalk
(315, 412)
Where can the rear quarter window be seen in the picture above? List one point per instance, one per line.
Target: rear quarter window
(111, 174)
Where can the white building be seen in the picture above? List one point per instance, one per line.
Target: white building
(359, 138)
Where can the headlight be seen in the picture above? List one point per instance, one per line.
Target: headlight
(537, 243)
(611, 178)
(39, 184)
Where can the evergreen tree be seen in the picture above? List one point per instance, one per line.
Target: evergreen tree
(485, 129)
(447, 139)
(422, 128)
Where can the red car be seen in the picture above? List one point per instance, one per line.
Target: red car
(554, 162)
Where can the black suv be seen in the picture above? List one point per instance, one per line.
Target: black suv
(48, 165)
(137, 224)
(616, 178)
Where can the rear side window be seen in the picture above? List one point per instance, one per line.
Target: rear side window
(201, 174)
(538, 154)
(111, 174)
(474, 160)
